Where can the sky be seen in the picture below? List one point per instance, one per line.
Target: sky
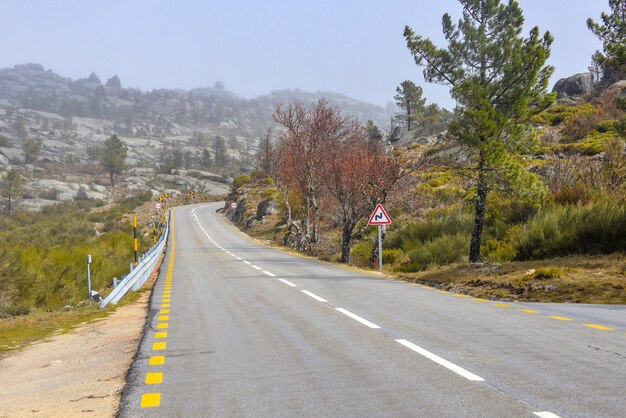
(354, 47)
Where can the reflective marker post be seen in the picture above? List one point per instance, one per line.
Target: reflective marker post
(89, 279)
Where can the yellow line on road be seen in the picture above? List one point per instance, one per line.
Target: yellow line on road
(149, 400)
(158, 346)
(502, 305)
(164, 311)
(160, 335)
(154, 378)
(162, 325)
(529, 310)
(156, 361)
(561, 318)
(442, 291)
(600, 327)
(479, 300)
(164, 318)
(165, 305)
(459, 295)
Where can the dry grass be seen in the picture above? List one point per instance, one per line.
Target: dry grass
(578, 279)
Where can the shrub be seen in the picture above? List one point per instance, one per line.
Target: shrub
(240, 181)
(548, 273)
(555, 115)
(598, 228)
(445, 249)
(268, 180)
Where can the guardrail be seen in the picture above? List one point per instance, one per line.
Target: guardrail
(140, 273)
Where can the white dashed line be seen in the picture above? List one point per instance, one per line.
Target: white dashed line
(314, 296)
(287, 282)
(269, 274)
(247, 262)
(357, 318)
(546, 414)
(255, 267)
(442, 362)
(239, 258)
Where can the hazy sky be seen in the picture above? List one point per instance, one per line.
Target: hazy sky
(353, 47)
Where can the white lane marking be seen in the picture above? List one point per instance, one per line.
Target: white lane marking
(247, 262)
(546, 414)
(255, 267)
(287, 282)
(314, 296)
(239, 258)
(357, 318)
(442, 362)
(269, 274)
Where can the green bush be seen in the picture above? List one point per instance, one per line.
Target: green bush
(548, 273)
(558, 114)
(591, 144)
(240, 181)
(268, 180)
(445, 249)
(598, 228)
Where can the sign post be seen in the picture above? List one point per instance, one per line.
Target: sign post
(379, 217)
(89, 279)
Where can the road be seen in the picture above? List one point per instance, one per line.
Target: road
(238, 329)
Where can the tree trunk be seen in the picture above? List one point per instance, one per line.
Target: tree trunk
(346, 242)
(111, 177)
(9, 207)
(479, 219)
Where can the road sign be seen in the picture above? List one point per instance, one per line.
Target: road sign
(379, 216)
(158, 206)
(233, 205)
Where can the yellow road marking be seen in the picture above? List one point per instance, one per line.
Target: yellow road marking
(164, 318)
(154, 378)
(459, 295)
(426, 287)
(529, 310)
(156, 361)
(165, 305)
(164, 300)
(159, 346)
(162, 325)
(480, 300)
(502, 305)
(164, 311)
(160, 335)
(600, 327)
(442, 291)
(149, 400)
(414, 284)
(561, 318)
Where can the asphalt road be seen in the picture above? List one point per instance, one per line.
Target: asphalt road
(238, 329)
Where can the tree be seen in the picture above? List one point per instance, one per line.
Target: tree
(266, 156)
(358, 175)
(372, 131)
(498, 79)
(409, 99)
(309, 134)
(32, 150)
(612, 33)
(113, 157)
(11, 187)
(206, 161)
(219, 152)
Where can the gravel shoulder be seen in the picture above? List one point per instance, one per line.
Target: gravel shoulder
(80, 373)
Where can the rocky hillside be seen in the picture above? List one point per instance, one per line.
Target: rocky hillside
(166, 131)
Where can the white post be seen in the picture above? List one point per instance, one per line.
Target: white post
(380, 250)
(89, 279)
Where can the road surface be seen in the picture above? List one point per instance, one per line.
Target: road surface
(238, 329)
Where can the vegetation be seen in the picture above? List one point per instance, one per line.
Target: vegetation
(43, 254)
(612, 33)
(409, 99)
(11, 187)
(113, 157)
(495, 101)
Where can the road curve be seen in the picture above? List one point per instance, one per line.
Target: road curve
(239, 329)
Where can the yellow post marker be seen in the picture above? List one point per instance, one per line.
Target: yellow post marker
(135, 238)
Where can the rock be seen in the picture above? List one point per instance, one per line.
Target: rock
(575, 85)
(66, 308)
(4, 160)
(14, 155)
(84, 194)
(98, 188)
(114, 82)
(265, 207)
(64, 196)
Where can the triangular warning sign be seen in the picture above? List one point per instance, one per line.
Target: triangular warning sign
(379, 216)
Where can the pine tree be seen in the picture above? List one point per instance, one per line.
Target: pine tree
(113, 157)
(498, 79)
(219, 152)
(612, 33)
(409, 99)
(11, 187)
(266, 156)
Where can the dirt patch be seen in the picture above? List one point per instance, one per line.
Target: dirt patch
(80, 373)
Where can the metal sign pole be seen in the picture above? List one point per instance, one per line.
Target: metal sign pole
(89, 279)
(380, 250)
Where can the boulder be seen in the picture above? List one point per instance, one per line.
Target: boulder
(265, 207)
(4, 160)
(14, 155)
(575, 85)
(84, 194)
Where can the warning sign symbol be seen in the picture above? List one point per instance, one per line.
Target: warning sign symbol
(379, 216)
